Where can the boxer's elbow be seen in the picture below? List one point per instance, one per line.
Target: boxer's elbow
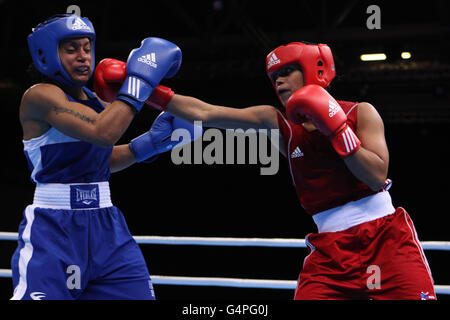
(376, 184)
(368, 168)
(104, 142)
(377, 177)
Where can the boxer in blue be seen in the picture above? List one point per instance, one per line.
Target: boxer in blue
(73, 242)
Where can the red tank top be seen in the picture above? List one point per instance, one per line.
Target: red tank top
(320, 176)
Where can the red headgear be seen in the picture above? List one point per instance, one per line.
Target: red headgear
(316, 61)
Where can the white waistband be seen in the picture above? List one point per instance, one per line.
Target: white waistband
(75, 196)
(355, 212)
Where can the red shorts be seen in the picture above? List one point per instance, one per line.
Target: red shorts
(378, 259)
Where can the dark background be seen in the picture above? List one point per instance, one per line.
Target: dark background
(224, 45)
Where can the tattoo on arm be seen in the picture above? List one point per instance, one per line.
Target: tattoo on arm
(59, 110)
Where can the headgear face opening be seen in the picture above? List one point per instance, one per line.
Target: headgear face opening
(44, 40)
(316, 62)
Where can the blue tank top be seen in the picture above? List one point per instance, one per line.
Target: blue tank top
(57, 158)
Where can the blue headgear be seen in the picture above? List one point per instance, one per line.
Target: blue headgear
(43, 44)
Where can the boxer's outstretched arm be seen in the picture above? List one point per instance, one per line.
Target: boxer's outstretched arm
(110, 74)
(191, 109)
(254, 117)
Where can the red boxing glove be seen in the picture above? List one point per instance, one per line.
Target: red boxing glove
(314, 103)
(109, 76)
(160, 97)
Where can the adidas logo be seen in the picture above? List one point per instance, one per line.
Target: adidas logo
(333, 108)
(273, 60)
(79, 24)
(149, 59)
(297, 153)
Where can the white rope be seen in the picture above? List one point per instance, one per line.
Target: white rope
(218, 241)
(222, 241)
(229, 282)
(249, 242)
(5, 273)
(8, 236)
(224, 282)
(436, 245)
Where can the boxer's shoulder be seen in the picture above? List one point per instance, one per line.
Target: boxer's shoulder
(41, 95)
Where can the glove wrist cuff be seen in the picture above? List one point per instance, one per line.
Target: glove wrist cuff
(345, 141)
(135, 92)
(160, 97)
(142, 147)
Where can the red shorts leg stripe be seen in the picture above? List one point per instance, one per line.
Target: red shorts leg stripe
(410, 224)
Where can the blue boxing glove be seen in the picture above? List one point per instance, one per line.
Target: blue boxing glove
(188, 133)
(158, 139)
(147, 65)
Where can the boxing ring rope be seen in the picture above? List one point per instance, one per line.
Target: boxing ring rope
(226, 241)
(222, 241)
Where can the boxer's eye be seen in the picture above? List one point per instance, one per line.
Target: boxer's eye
(283, 72)
(286, 71)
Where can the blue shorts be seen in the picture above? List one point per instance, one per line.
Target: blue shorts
(78, 254)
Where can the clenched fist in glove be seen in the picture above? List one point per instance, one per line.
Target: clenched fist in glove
(146, 66)
(314, 103)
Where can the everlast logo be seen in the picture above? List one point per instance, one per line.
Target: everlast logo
(84, 196)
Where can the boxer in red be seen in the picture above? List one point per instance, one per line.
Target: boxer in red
(338, 160)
